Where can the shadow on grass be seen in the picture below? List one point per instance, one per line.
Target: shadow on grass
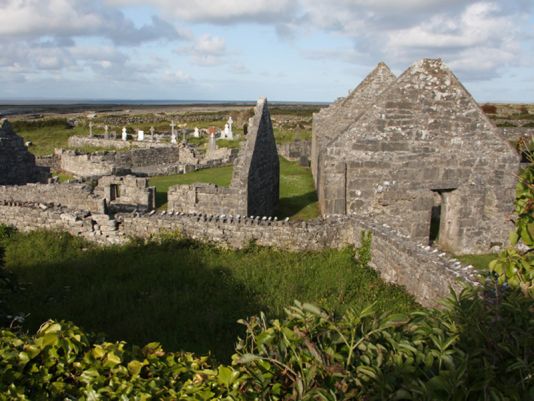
(289, 207)
(156, 292)
(161, 199)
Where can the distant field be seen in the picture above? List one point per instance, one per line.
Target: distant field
(185, 295)
(298, 199)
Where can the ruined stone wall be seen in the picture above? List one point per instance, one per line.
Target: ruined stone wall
(126, 193)
(425, 143)
(256, 172)
(254, 189)
(17, 164)
(81, 141)
(75, 196)
(212, 199)
(99, 228)
(147, 161)
(297, 150)
(424, 271)
(332, 121)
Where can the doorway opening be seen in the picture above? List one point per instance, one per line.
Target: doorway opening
(438, 216)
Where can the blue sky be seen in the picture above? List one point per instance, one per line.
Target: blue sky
(287, 50)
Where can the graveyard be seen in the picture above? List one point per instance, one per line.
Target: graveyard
(170, 225)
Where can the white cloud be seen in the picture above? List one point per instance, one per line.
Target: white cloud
(29, 19)
(207, 50)
(222, 11)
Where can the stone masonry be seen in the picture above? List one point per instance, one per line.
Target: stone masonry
(126, 193)
(254, 189)
(332, 121)
(17, 164)
(425, 272)
(424, 148)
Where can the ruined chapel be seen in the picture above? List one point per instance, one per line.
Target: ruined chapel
(418, 153)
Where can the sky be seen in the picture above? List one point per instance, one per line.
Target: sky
(287, 50)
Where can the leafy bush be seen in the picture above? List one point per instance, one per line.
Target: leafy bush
(473, 350)
(515, 265)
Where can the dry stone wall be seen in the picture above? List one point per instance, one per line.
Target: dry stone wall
(425, 272)
(75, 196)
(81, 141)
(96, 227)
(126, 193)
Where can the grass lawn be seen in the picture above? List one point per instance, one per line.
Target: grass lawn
(481, 262)
(185, 295)
(48, 136)
(298, 199)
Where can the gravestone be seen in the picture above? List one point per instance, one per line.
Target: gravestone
(106, 132)
(196, 133)
(173, 133)
(90, 129)
(140, 135)
(124, 134)
(212, 143)
(152, 134)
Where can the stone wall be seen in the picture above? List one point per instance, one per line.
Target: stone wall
(162, 159)
(17, 164)
(94, 227)
(295, 151)
(81, 141)
(126, 193)
(142, 161)
(75, 196)
(254, 189)
(424, 271)
(424, 145)
(330, 122)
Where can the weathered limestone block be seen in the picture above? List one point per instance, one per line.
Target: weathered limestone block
(424, 137)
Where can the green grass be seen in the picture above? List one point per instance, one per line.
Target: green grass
(480, 262)
(219, 176)
(185, 295)
(298, 199)
(47, 135)
(62, 176)
(289, 135)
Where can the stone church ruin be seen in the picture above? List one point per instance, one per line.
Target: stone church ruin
(412, 160)
(254, 190)
(422, 156)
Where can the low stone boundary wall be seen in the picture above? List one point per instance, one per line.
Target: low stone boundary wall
(425, 272)
(99, 228)
(74, 196)
(75, 141)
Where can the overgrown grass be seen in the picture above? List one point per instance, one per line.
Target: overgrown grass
(289, 135)
(219, 176)
(481, 262)
(47, 135)
(298, 199)
(185, 295)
